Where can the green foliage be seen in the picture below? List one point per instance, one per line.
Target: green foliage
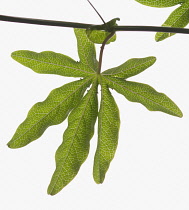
(99, 36)
(52, 111)
(144, 94)
(75, 146)
(48, 62)
(108, 128)
(86, 51)
(160, 3)
(82, 107)
(179, 18)
(131, 67)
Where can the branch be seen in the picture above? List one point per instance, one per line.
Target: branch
(152, 29)
(84, 25)
(44, 22)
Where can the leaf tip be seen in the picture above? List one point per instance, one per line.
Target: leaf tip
(99, 179)
(158, 38)
(51, 191)
(180, 114)
(153, 59)
(13, 54)
(10, 145)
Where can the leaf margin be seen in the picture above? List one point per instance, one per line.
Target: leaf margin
(54, 187)
(111, 81)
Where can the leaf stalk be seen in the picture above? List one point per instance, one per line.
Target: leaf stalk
(102, 50)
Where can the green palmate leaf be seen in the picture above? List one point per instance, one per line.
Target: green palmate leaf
(48, 62)
(131, 67)
(84, 110)
(179, 18)
(108, 128)
(75, 147)
(52, 111)
(144, 94)
(99, 36)
(160, 3)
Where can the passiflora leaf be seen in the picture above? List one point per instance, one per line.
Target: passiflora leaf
(179, 18)
(160, 3)
(108, 129)
(75, 147)
(52, 111)
(98, 37)
(86, 50)
(84, 110)
(131, 67)
(144, 94)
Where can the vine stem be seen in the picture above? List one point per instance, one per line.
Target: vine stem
(102, 50)
(85, 26)
(96, 12)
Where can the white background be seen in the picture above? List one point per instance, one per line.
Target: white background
(151, 168)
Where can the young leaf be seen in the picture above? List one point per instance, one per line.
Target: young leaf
(131, 67)
(179, 18)
(75, 147)
(144, 94)
(51, 111)
(104, 30)
(98, 37)
(108, 129)
(160, 3)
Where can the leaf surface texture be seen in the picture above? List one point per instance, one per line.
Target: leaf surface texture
(108, 129)
(131, 67)
(160, 3)
(52, 111)
(75, 147)
(81, 106)
(98, 36)
(49, 62)
(144, 94)
(179, 18)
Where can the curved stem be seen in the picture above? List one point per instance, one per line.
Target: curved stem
(84, 25)
(102, 50)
